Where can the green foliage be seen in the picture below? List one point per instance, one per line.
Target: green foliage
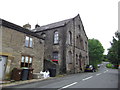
(112, 66)
(114, 51)
(117, 34)
(109, 65)
(96, 51)
(105, 60)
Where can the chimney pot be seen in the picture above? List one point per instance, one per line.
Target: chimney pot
(27, 26)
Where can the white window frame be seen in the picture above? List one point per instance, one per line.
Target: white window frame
(56, 37)
(28, 41)
(26, 59)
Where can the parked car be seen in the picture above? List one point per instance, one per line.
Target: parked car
(119, 67)
(90, 68)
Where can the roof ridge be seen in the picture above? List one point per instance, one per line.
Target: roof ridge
(53, 25)
(57, 22)
(18, 28)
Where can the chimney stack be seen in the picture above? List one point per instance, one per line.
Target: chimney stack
(27, 26)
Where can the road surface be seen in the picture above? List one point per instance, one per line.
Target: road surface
(104, 78)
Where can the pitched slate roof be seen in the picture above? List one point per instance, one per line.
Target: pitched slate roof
(57, 24)
(17, 28)
(53, 25)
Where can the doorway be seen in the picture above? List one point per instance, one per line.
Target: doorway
(3, 61)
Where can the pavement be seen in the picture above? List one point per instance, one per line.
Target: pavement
(21, 82)
(14, 83)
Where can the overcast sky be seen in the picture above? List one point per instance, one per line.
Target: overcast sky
(99, 17)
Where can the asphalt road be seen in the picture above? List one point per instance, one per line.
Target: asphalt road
(104, 78)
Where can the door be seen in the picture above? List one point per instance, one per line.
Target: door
(3, 60)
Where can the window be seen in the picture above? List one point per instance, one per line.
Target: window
(86, 45)
(56, 37)
(43, 35)
(28, 41)
(70, 38)
(80, 58)
(81, 43)
(77, 41)
(55, 55)
(76, 59)
(26, 61)
(79, 27)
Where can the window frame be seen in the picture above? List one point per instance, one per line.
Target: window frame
(56, 37)
(29, 42)
(70, 38)
(79, 26)
(76, 59)
(24, 63)
(55, 54)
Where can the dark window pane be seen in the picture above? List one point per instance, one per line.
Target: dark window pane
(55, 62)
(22, 64)
(26, 64)
(55, 55)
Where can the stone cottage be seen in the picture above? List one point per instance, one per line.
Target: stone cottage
(19, 47)
(66, 44)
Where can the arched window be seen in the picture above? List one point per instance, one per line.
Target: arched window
(80, 60)
(43, 35)
(76, 59)
(70, 38)
(81, 43)
(56, 37)
(77, 42)
(55, 57)
(86, 45)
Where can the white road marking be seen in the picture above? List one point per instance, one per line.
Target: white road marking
(98, 74)
(105, 71)
(87, 78)
(70, 85)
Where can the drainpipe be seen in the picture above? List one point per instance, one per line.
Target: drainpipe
(64, 50)
(74, 45)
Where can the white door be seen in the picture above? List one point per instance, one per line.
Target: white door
(3, 60)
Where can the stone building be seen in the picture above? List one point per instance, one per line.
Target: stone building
(19, 47)
(66, 44)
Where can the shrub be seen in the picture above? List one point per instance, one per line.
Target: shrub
(109, 65)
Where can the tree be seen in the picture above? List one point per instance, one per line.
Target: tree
(96, 51)
(114, 51)
(117, 34)
(105, 58)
